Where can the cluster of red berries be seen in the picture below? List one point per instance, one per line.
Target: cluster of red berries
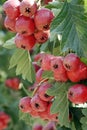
(40, 104)
(65, 68)
(4, 120)
(49, 126)
(31, 24)
(12, 83)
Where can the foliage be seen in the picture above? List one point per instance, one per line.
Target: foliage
(68, 34)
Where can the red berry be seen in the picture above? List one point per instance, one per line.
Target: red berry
(13, 83)
(39, 75)
(25, 42)
(77, 93)
(42, 92)
(46, 61)
(38, 104)
(50, 126)
(11, 8)
(71, 62)
(9, 24)
(24, 104)
(36, 66)
(61, 77)
(79, 74)
(43, 18)
(57, 64)
(37, 127)
(28, 8)
(25, 25)
(34, 113)
(47, 1)
(48, 115)
(38, 57)
(42, 36)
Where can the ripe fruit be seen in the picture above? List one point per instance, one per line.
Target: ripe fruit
(48, 115)
(25, 42)
(61, 77)
(37, 127)
(42, 92)
(46, 61)
(38, 104)
(25, 25)
(34, 113)
(57, 65)
(39, 75)
(47, 1)
(77, 93)
(38, 57)
(28, 8)
(11, 8)
(9, 24)
(79, 74)
(50, 126)
(4, 120)
(24, 104)
(42, 36)
(71, 62)
(43, 18)
(36, 66)
(13, 83)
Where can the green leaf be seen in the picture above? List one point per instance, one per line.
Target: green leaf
(84, 119)
(9, 44)
(60, 103)
(22, 61)
(25, 116)
(47, 74)
(58, 88)
(71, 22)
(61, 106)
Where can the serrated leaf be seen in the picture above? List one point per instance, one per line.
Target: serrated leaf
(61, 106)
(58, 88)
(72, 24)
(84, 119)
(25, 116)
(22, 61)
(55, 4)
(9, 44)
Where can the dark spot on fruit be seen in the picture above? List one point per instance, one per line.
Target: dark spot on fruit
(55, 66)
(37, 105)
(47, 96)
(46, 27)
(27, 10)
(9, 29)
(21, 106)
(70, 93)
(43, 38)
(68, 66)
(56, 117)
(22, 46)
(23, 32)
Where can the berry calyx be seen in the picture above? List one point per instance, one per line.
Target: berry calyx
(28, 8)
(42, 36)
